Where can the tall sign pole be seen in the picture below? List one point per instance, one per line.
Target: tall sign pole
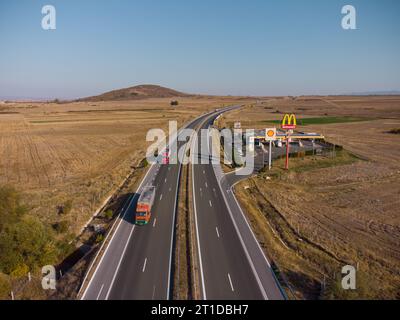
(270, 135)
(270, 155)
(289, 123)
(287, 152)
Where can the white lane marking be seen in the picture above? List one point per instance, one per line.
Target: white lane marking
(210, 203)
(154, 224)
(206, 185)
(170, 189)
(166, 180)
(101, 290)
(161, 197)
(204, 171)
(119, 263)
(144, 266)
(112, 234)
(154, 293)
(230, 281)
(241, 238)
(112, 237)
(216, 229)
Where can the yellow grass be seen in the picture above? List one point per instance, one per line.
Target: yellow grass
(81, 152)
(325, 217)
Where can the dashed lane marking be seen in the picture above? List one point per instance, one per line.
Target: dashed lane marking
(230, 281)
(144, 266)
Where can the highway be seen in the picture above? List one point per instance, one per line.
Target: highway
(137, 261)
(232, 264)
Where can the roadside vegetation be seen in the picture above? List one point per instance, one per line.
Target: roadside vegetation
(26, 244)
(303, 162)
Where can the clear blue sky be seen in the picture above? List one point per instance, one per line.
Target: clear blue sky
(239, 47)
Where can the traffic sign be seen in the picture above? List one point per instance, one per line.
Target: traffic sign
(270, 134)
(289, 122)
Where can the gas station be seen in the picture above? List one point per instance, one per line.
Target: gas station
(285, 135)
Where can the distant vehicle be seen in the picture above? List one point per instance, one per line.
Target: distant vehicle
(297, 143)
(278, 144)
(165, 160)
(144, 206)
(166, 157)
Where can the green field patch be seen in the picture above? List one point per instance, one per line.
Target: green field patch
(322, 120)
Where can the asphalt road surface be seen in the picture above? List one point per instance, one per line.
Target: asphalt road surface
(137, 262)
(232, 264)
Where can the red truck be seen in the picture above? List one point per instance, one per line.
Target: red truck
(144, 206)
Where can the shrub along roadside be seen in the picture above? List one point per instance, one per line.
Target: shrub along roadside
(26, 244)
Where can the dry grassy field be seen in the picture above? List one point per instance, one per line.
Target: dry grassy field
(322, 215)
(78, 153)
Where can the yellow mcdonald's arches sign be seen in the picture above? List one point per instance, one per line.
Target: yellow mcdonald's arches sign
(289, 122)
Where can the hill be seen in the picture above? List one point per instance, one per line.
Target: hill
(136, 93)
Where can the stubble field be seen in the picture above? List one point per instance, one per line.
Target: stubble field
(320, 216)
(74, 155)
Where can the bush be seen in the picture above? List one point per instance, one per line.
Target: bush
(65, 208)
(68, 207)
(25, 243)
(5, 287)
(20, 271)
(334, 290)
(10, 208)
(395, 131)
(109, 214)
(61, 227)
(99, 238)
(144, 163)
(174, 103)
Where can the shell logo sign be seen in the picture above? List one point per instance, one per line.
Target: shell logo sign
(289, 122)
(270, 134)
